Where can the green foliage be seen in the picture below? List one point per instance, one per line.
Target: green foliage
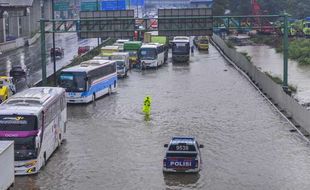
(230, 44)
(299, 50)
(249, 58)
(296, 8)
(279, 81)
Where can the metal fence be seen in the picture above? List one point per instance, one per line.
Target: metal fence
(274, 91)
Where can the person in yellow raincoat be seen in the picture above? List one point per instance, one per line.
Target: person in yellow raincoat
(147, 105)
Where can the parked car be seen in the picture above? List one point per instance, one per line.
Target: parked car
(17, 72)
(59, 52)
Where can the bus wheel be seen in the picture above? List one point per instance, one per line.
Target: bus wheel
(93, 97)
(60, 140)
(44, 159)
(110, 90)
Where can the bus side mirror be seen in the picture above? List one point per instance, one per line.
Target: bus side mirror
(201, 146)
(166, 145)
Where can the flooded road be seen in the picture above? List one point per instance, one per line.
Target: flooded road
(29, 57)
(267, 59)
(110, 146)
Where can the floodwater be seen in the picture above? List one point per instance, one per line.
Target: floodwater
(266, 58)
(110, 145)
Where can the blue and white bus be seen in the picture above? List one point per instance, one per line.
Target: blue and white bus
(88, 81)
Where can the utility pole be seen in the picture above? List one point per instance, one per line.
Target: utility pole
(43, 53)
(285, 54)
(98, 42)
(54, 52)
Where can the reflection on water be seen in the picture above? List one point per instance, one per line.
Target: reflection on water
(179, 180)
(27, 182)
(267, 59)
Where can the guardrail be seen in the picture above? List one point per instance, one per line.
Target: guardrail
(77, 60)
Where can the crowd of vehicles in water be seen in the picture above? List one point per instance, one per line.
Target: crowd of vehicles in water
(35, 119)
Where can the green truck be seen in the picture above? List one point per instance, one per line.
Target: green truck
(164, 41)
(306, 27)
(132, 47)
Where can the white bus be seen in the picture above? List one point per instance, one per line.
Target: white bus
(88, 81)
(35, 120)
(152, 55)
(180, 49)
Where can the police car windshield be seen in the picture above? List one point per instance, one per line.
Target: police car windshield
(187, 155)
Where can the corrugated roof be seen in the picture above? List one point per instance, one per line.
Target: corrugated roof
(16, 3)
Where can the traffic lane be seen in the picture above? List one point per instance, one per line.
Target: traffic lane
(247, 144)
(30, 58)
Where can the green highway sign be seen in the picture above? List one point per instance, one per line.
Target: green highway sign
(89, 6)
(61, 6)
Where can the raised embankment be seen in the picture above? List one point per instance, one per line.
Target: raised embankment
(296, 113)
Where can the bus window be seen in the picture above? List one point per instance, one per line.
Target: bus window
(73, 81)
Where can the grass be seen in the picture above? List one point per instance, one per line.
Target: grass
(299, 49)
(279, 81)
(246, 55)
(230, 44)
(271, 40)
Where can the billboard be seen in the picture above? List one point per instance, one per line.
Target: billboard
(104, 24)
(185, 22)
(89, 6)
(135, 2)
(111, 5)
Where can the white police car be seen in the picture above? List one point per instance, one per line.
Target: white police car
(183, 155)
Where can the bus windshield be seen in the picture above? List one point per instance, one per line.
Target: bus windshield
(147, 54)
(24, 148)
(73, 81)
(205, 41)
(180, 47)
(120, 64)
(18, 123)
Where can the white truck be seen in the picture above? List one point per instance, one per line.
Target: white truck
(122, 61)
(7, 176)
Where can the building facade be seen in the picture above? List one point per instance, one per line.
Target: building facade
(20, 18)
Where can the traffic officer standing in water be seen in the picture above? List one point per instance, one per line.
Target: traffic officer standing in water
(147, 105)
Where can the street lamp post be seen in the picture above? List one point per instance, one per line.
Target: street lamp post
(54, 53)
(285, 54)
(98, 39)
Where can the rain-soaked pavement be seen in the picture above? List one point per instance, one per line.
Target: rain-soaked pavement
(110, 146)
(29, 57)
(266, 58)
